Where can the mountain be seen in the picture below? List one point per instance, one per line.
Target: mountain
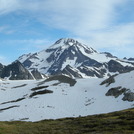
(131, 59)
(61, 96)
(37, 75)
(16, 71)
(70, 57)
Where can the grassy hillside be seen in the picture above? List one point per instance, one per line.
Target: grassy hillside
(116, 122)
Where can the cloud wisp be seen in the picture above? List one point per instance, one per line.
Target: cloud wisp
(3, 60)
(77, 16)
(96, 22)
(6, 30)
(8, 6)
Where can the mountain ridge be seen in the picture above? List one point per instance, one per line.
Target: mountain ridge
(17, 71)
(83, 61)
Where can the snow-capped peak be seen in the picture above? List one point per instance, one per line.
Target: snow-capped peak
(67, 42)
(83, 59)
(64, 43)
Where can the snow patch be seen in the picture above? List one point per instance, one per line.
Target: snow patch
(69, 62)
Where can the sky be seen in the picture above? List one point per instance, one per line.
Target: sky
(28, 26)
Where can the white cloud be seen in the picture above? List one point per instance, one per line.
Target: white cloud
(123, 35)
(4, 60)
(7, 6)
(30, 45)
(3, 28)
(77, 16)
(117, 39)
(1, 57)
(95, 21)
(115, 36)
(6, 30)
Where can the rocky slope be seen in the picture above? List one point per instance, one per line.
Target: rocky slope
(16, 71)
(1, 68)
(120, 86)
(70, 57)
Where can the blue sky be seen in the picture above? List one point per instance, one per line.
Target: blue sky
(32, 25)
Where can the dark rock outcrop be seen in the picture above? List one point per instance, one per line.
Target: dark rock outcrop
(70, 71)
(114, 66)
(128, 96)
(16, 71)
(109, 55)
(1, 68)
(109, 81)
(93, 72)
(131, 59)
(37, 75)
(116, 91)
(63, 79)
(42, 92)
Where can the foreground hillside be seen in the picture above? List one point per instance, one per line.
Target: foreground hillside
(113, 123)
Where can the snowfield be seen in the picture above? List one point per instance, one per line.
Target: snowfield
(32, 100)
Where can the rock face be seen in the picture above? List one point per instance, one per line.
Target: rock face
(114, 66)
(37, 75)
(116, 91)
(109, 81)
(62, 79)
(16, 71)
(120, 85)
(70, 57)
(70, 71)
(1, 68)
(131, 59)
(129, 96)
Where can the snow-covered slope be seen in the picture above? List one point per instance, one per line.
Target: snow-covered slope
(70, 57)
(61, 96)
(121, 85)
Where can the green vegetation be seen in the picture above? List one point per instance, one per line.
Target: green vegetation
(113, 123)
